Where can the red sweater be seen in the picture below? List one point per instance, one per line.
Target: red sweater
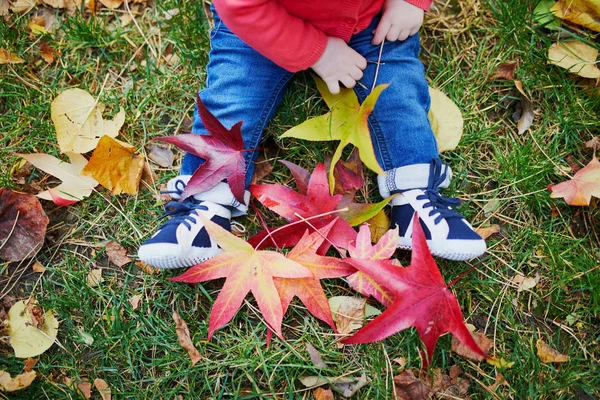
(293, 33)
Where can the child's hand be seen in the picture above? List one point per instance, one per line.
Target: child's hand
(399, 21)
(339, 63)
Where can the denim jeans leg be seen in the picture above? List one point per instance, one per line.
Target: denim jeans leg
(399, 124)
(241, 85)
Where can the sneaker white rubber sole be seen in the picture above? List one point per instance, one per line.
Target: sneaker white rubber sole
(456, 250)
(171, 255)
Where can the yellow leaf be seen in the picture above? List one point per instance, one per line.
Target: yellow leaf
(78, 121)
(111, 4)
(446, 120)
(19, 382)
(582, 12)
(547, 354)
(27, 336)
(115, 166)
(347, 122)
(500, 362)
(94, 277)
(378, 225)
(6, 57)
(575, 56)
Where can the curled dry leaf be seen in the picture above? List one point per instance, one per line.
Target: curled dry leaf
(111, 4)
(525, 283)
(6, 57)
(4, 7)
(482, 341)
(117, 254)
(22, 225)
(593, 143)
(348, 313)
(74, 186)
(29, 364)
(161, 155)
(103, 388)
(115, 166)
(378, 225)
(183, 334)
(47, 53)
(78, 120)
(315, 357)
(408, 387)
(487, 231)
(323, 394)
(30, 333)
(94, 277)
(9, 384)
(348, 386)
(20, 6)
(576, 57)
(37, 267)
(579, 190)
(549, 355)
(135, 301)
(505, 71)
(582, 12)
(446, 120)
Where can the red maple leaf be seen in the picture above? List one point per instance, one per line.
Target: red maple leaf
(246, 270)
(579, 190)
(294, 206)
(421, 299)
(222, 150)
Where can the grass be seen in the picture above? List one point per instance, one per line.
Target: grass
(502, 176)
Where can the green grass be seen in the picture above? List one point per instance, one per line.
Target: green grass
(137, 352)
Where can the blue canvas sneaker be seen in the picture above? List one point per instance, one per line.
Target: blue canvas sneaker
(449, 235)
(183, 241)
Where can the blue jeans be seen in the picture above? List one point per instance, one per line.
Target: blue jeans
(242, 85)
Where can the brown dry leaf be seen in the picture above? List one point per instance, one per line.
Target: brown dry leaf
(94, 277)
(582, 12)
(549, 355)
(103, 388)
(505, 71)
(9, 384)
(117, 254)
(348, 313)
(500, 381)
(322, 394)
(111, 4)
(575, 56)
(487, 231)
(4, 7)
(115, 166)
(162, 156)
(85, 388)
(409, 387)
(135, 301)
(262, 170)
(183, 334)
(525, 283)
(47, 53)
(20, 6)
(378, 225)
(37, 267)
(29, 364)
(148, 269)
(315, 357)
(483, 341)
(22, 225)
(6, 57)
(526, 119)
(579, 190)
(593, 143)
(450, 386)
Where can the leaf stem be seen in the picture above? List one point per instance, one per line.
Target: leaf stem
(323, 236)
(458, 278)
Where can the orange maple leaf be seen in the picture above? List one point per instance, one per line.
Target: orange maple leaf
(579, 190)
(115, 166)
(246, 270)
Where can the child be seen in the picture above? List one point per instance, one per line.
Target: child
(256, 47)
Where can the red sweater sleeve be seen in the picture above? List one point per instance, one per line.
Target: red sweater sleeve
(269, 29)
(423, 4)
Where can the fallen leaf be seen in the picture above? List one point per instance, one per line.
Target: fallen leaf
(37, 25)
(148, 269)
(526, 119)
(446, 120)
(222, 151)
(544, 16)
(322, 394)
(549, 355)
(78, 120)
(9, 384)
(593, 143)
(579, 190)
(576, 57)
(421, 299)
(115, 166)
(74, 186)
(161, 156)
(348, 386)
(85, 388)
(135, 301)
(29, 364)
(4, 7)
(6, 57)
(262, 169)
(378, 225)
(22, 225)
(117, 254)
(247, 270)
(348, 314)
(26, 339)
(21, 6)
(582, 12)
(37, 267)
(47, 53)
(183, 334)
(487, 231)
(94, 277)
(315, 357)
(462, 350)
(525, 283)
(103, 388)
(449, 385)
(505, 71)
(500, 381)
(408, 387)
(111, 4)
(346, 121)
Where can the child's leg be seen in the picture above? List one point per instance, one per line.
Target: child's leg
(241, 85)
(406, 148)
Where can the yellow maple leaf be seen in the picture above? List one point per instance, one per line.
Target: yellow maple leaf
(582, 12)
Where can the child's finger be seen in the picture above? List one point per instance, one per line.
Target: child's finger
(361, 62)
(333, 86)
(381, 32)
(348, 81)
(403, 35)
(393, 33)
(356, 74)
